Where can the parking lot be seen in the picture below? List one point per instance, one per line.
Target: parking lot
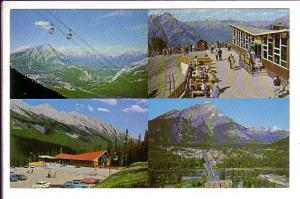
(63, 174)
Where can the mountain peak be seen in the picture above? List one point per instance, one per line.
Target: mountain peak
(44, 47)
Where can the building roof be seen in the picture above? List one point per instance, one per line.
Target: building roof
(84, 156)
(258, 31)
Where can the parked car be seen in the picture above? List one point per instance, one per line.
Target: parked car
(13, 177)
(22, 177)
(56, 186)
(75, 184)
(25, 166)
(41, 184)
(32, 166)
(89, 181)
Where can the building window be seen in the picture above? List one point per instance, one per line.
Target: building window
(264, 40)
(265, 54)
(270, 58)
(277, 40)
(270, 47)
(277, 59)
(283, 53)
(284, 41)
(283, 63)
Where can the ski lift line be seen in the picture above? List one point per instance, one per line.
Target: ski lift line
(64, 33)
(80, 46)
(79, 37)
(57, 27)
(77, 43)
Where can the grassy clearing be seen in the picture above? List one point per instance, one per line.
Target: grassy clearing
(135, 176)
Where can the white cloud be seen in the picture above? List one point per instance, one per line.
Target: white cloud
(42, 24)
(102, 110)
(90, 108)
(116, 13)
(20, 48)
(135, 108)
(141, 101)
(112, 102)
(79, 105)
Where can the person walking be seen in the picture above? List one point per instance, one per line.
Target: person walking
(277, 84)
(220, 54)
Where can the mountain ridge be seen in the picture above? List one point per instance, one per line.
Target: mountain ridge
(206, 124)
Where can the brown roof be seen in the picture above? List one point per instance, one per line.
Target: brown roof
(257, 31)
(84, 156)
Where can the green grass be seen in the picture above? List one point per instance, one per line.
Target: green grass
(135, 175)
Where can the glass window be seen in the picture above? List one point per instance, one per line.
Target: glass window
(265, 39)
(283, 53)
(277, 40)
(265, 54)
(277, 59)
(283, 64)
(270, 48)
(284, 41)
(270, 58)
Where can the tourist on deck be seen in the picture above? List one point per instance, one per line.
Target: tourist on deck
(257, 64)
(220, 54)
(212, 49)
(216, 54)
(229, 47)
(231, 61)
(277, 84)
(195, 60)
(215, 91)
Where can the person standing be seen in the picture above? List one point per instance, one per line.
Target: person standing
(277, 83)
(216, 54)
(220, 54)
(215, 91)
(231, 61)
(212, 49)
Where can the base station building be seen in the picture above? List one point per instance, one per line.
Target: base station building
(92, 159)
(271, 46)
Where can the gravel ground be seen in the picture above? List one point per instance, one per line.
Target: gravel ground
(63, 174)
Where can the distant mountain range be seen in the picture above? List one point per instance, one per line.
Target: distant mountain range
(106, 60)
(46, 57)
(75, 124)
(176, 32)
(206, 124)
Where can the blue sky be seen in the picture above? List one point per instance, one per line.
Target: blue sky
(124, 114)
(248, 112)
(108, 31)
(224, 14)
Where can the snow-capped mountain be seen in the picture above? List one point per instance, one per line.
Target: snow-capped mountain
(206, 124)
(175, 32)
(84, 124)
(40, 58)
